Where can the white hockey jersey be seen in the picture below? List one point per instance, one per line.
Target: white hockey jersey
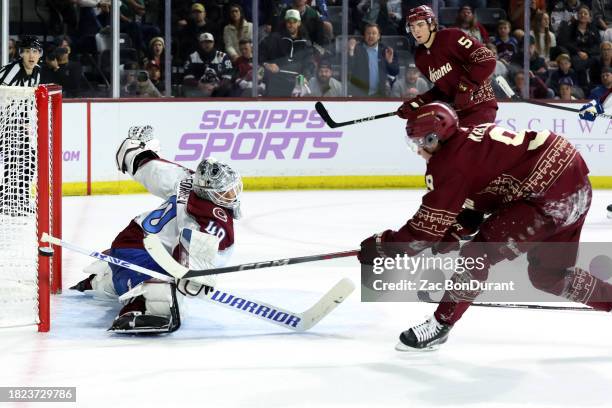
(182, 209)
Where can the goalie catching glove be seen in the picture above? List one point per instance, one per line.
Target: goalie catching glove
(140, 145)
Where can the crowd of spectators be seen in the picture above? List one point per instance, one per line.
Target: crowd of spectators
(570, 48)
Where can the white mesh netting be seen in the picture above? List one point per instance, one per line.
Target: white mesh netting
(18, 219)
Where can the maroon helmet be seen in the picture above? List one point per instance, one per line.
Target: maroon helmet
(421, 13)
(431, 123)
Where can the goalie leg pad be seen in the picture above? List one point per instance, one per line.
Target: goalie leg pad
(151, 307)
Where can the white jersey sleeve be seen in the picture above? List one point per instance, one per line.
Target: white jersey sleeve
(160, 177)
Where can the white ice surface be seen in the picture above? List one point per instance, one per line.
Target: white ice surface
(494, 358)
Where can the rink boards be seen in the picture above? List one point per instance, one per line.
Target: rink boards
(285, 144)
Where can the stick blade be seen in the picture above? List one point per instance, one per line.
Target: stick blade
(325, 115)
(158, 252)
(326, 304)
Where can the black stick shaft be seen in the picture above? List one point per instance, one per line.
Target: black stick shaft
(320, 108)
(269, 264)
(425, 297)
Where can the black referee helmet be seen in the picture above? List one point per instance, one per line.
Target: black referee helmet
(29, 41)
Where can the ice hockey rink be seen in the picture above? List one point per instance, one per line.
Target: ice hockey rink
(494, 357)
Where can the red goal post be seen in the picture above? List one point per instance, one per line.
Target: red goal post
(30, 202)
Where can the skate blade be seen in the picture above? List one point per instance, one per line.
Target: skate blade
(141, 330)
(404, 348)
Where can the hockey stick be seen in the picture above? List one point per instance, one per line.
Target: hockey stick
(503, 84)
(298, 322)
(332, 124)
(163, 258)
(425, 297)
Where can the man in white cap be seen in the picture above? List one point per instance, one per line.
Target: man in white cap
(285, 55)
(208, 72)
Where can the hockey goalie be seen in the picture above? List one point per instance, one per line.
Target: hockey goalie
(194, 223)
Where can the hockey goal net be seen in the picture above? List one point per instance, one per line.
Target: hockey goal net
(30, 202)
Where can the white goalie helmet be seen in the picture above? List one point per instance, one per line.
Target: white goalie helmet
(218, 182)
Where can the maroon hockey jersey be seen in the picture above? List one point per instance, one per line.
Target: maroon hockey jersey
(486, 167)
(454, 55)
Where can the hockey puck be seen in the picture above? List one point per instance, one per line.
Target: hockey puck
(610, 211)
(45, 251)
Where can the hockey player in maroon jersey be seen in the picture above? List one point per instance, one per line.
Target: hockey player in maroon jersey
(534, 187)
(457, 64)
(195, 223)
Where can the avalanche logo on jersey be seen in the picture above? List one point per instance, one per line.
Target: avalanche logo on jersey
(436, 74)
(220, 214)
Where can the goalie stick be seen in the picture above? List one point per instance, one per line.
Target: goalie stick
(298, 322)
(425, 297)
(333, 124)
(503, 84)
(158, 252)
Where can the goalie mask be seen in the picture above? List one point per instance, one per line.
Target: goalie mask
(218, 182)
(430, 124)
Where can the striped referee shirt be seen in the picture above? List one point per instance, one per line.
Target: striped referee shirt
(13, 74)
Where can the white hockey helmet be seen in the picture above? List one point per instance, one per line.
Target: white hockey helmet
(218, 182)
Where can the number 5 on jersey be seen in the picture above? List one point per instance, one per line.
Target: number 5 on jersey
(466, 42)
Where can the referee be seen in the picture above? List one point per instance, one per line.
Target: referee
(18, 154)
(24, 71)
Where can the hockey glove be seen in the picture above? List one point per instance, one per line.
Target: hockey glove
(140, 145)
(371, 248)
(411, 105)
(467, 225)
(464, 97)
(590, 111)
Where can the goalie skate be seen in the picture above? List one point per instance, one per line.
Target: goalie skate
(426, 336)
(139, 323)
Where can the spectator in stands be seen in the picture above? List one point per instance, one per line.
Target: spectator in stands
(468, 23)
(138, 84)
(536, 63)
(602, 16)
(370, 63)
(537, 88)
(237, 29)
(187, 36)
(581, 38)
(516, 10)
(564, 70)
(310, 22)
(501, 66)
(285, 55)
(208, 72)
(133, 23)
(24, 71)
(412, 80)
(605, 61)
(387, 14)
(606, 84)
(60, 70)
(545, 39)
(563, 12)
(324, 84)
(157, 46)
(565, 89)
(154, 71)
(505, 44)
(12, 50)
(243, 73)
(322, 9)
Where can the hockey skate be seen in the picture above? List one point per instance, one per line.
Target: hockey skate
(85, 284)
(426, 336)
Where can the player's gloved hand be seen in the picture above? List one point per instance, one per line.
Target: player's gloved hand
(590, 111)
(464, 97)
(371, 248)
(467, 225)
(189, 287)
(409, 106)
(140, 145)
